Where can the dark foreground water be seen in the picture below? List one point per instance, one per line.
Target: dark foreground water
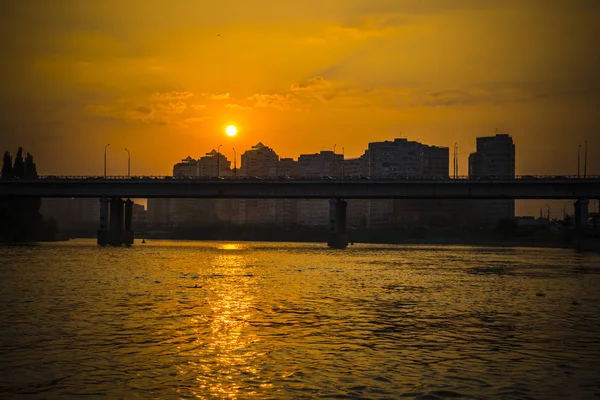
(242, 320)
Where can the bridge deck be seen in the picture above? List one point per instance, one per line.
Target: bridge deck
(141, 187)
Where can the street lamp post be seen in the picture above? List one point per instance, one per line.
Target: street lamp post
(219, 160)
(585, 160)
(105, 159)
(234, 163)
(128, 163)
(335, 144)
(455, 161)
(578, 159)
(343, 162)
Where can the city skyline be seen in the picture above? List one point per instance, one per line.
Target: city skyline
(298, 78)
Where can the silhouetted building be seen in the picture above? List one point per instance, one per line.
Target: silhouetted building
(186, 168)
(72, 213)
(287, 167)
(356, 168)
(322, 165)
(260, 161)
(139, 220)
(494, 159)
(195, 212)
(406, 159)
(214, 164)
(159, 214)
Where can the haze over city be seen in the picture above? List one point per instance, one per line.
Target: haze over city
(164, 82)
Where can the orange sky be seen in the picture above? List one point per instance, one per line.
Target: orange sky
(164, 78)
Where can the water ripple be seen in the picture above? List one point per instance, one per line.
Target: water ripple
(222, 320)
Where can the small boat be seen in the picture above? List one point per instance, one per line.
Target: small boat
(143, 241)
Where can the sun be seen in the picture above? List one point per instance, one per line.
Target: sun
(231, 130)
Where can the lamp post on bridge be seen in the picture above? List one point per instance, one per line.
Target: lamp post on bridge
(343, 162)
(105, 159)
(128, 163)
(334, 159)
(578, 159)
(234, 163)
(219, 160)
(585, 160)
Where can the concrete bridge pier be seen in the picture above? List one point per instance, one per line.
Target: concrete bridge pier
(338, 238)
(115, 222)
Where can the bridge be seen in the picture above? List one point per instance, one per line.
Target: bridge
(337, 190)
(528, 187)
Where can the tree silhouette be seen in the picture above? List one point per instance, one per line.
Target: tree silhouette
(7, 169)
(20, 218)
(19, 166)
(30, 168)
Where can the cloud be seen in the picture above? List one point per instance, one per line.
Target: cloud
(312, 83)
(198, 106)
(194, 120)
(302, 95)
(491, 94)
(169, 96)
(369, 26)
(279, 101)
(223, 96)
(153, 113)
(231, 105)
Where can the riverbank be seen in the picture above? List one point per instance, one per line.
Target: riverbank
(419, 235)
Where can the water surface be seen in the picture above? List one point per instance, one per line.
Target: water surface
(174, 319)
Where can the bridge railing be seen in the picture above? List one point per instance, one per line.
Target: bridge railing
(346, 178)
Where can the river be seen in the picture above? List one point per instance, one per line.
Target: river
(177, 319)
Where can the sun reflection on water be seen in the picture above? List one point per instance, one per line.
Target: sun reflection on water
(232, 246)
(226, 359)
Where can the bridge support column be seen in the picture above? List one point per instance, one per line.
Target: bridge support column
(104, 227)
(338, 238)
(113, 227)
(128, 233)
(581, 217)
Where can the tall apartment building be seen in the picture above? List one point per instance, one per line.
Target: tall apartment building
(139, 218)
(186, 168)
(494, 159)
(356, 167)
(314, 212)
(324, 163)
(404, 159)
(357, 209)
(287, 167)
(401, 158)
(287, 209)
(260, 161)
(160, 213)
(72, 213)
(172, 213)
(214, 164)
